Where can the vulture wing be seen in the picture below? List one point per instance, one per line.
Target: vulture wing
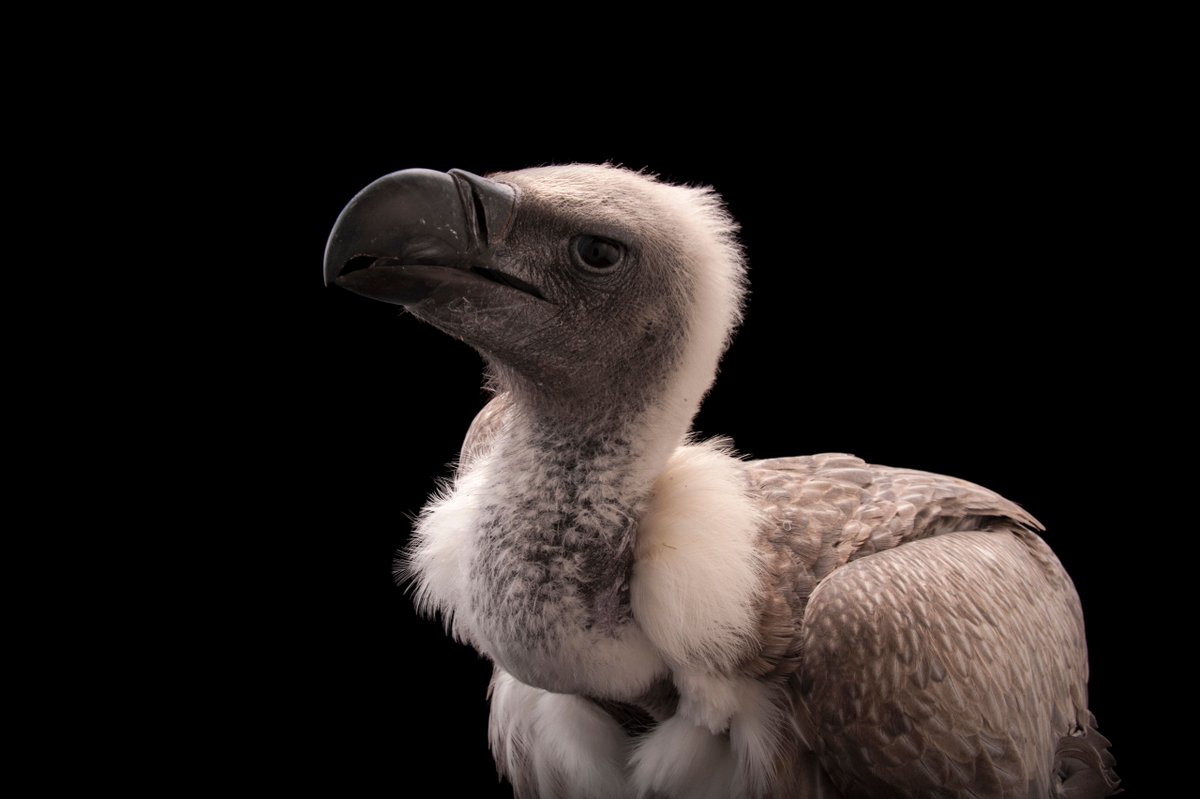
(933, 642)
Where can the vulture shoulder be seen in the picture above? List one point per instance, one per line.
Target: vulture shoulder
(824, 511)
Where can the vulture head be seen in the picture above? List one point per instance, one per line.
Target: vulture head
(587, 289)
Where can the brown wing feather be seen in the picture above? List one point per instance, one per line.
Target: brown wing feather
(933, 642)
(950, 667)
(827, 510)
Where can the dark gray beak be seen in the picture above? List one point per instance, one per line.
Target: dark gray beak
(417, 234)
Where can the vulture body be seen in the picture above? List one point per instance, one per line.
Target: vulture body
(665, 618)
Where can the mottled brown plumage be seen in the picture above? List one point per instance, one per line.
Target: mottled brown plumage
(939, 645)
(827, 510)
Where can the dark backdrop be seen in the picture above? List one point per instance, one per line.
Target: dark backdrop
(925, 293)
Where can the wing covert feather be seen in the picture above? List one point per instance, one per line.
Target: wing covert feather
(827, 510)
(950, 667)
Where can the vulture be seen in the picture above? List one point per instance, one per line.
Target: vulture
(666, 618)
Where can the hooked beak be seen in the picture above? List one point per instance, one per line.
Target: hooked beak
(419, 236)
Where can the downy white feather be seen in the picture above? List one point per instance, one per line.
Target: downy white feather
(556, 745)
(698, 573)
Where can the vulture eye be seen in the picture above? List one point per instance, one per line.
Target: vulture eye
(598, 253)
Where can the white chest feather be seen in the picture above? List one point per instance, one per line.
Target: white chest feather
(694, 593)
(451, 560)
(696, 578)
(698, 570)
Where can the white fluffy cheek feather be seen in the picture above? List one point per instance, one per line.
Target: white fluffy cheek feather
(439, 557)
(556, 745)
(698, 569)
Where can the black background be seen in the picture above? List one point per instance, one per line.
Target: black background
(925, 293)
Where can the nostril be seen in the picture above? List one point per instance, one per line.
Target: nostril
(480, 217)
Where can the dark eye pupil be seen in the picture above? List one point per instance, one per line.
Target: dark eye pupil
(598, 253)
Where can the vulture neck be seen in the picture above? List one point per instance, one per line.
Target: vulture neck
(619, 442)
(621, 448)
(575, 486)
